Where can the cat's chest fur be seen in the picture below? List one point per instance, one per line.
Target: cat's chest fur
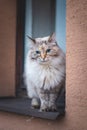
(47, 75)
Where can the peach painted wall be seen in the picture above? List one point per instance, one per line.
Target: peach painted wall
(7, 47)
(76, 70)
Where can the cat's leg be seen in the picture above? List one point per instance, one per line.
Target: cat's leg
(52, 101)
(30, 89)
(53, 96)
(48, 100)
(44, 99)
(35, 103)
(32, 94)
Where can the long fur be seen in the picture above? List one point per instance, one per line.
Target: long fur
(52, 74)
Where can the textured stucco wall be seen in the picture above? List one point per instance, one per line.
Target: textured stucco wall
(7, 47)
(76, 70)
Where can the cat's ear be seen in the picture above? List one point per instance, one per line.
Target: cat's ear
(31, 40)
(52, 38)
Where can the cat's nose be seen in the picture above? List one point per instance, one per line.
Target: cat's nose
(43, 55)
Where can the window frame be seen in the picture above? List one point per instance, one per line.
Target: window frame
(19, 44)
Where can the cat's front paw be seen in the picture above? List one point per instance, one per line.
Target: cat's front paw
(44, 108)
(53, 108)
(35, 103)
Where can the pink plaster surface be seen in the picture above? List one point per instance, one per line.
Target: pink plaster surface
(76, 70)
(7, 47)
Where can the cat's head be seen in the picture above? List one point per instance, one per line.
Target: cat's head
(44, 50)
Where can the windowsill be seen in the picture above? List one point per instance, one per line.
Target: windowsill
(21, 105)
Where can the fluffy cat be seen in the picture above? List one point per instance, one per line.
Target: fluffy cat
(44, 72)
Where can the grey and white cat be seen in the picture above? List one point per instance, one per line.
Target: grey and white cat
(44, 72)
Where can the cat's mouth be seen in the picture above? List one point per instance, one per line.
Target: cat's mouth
(43, 61)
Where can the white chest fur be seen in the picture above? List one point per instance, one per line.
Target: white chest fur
(37, 73)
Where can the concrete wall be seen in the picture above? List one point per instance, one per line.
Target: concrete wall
(7, 47)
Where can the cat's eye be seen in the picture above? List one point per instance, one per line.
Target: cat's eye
(48, 50)
(37, 52)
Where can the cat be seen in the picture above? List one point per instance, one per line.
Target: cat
(44, 72)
